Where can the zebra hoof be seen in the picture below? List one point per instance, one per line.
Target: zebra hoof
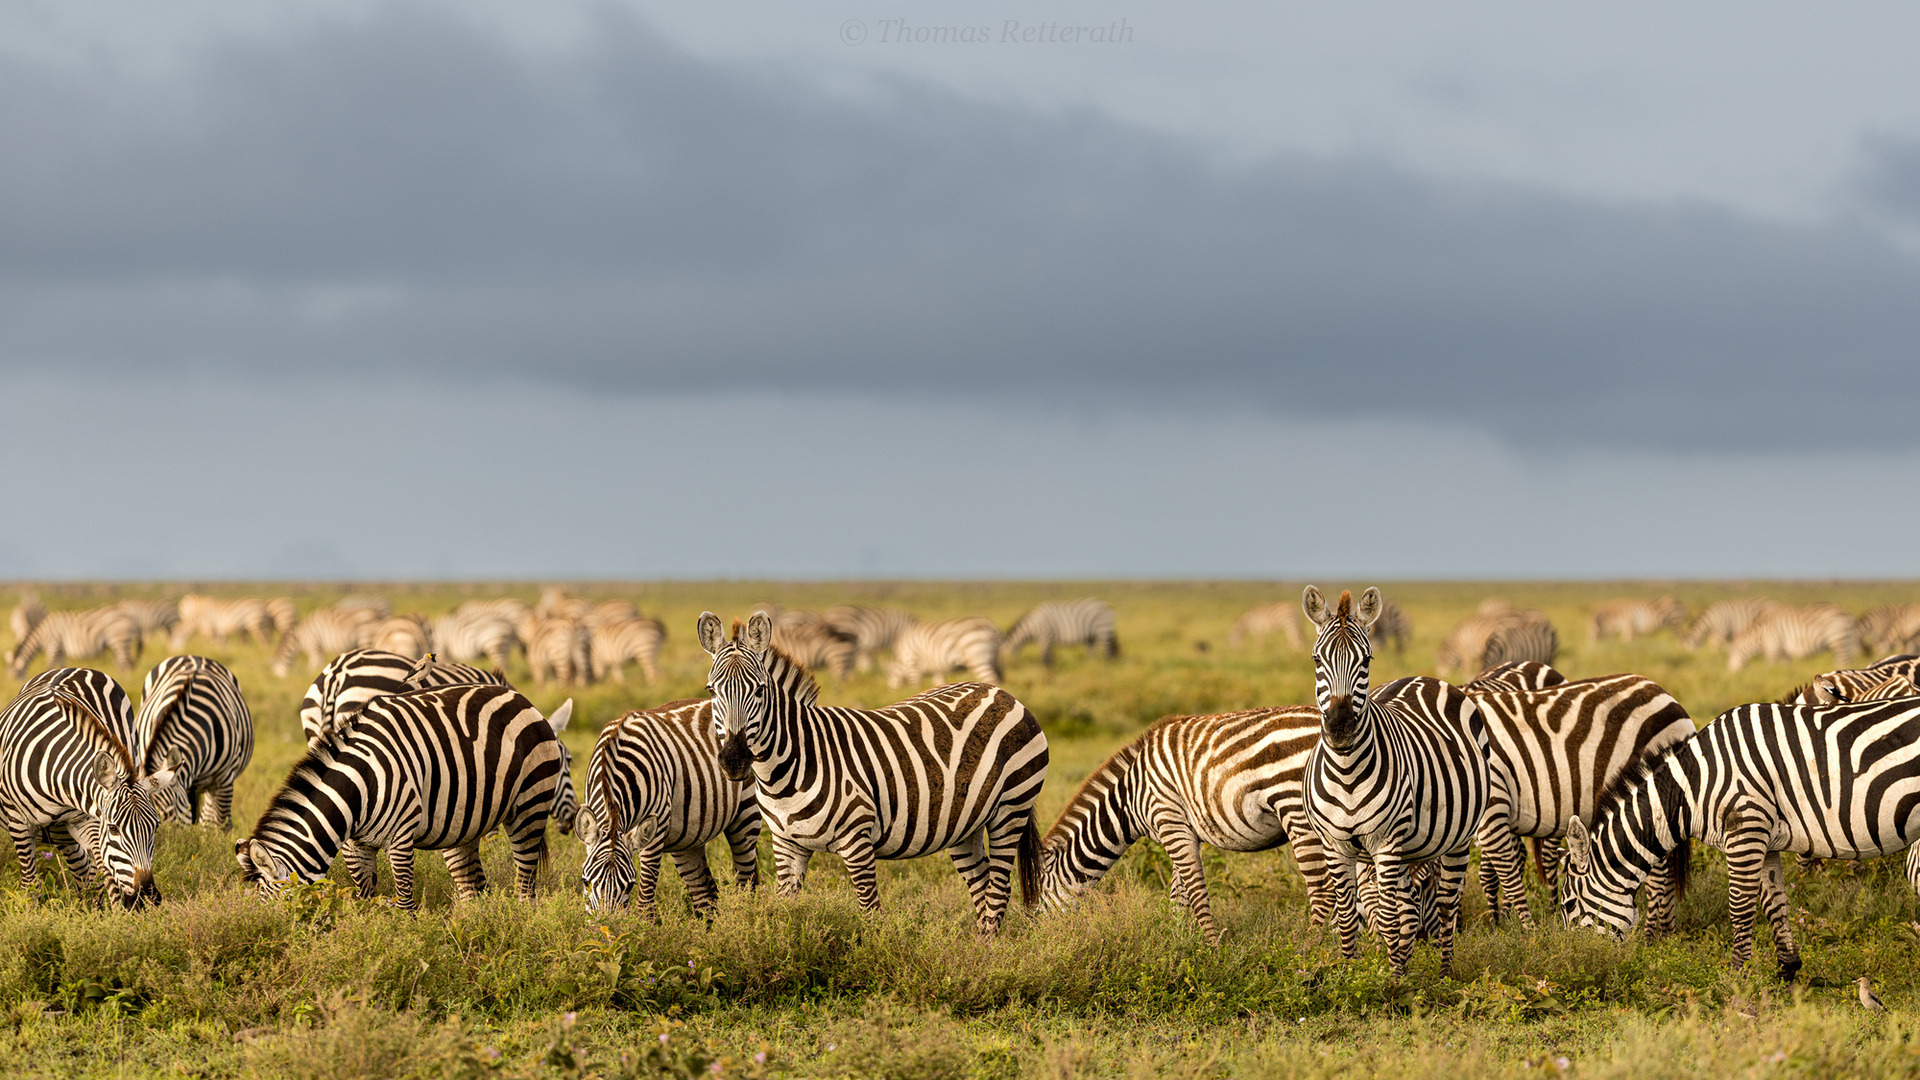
(1789, 970)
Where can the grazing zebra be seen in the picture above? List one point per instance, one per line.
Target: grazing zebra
(1891, 628)
(1559, 748)
(1232, 780)
(193, 717)
(376, 605)
(654, 787)
(556, 604)
(151, 616)
(505, 607)
(872, 630)
(1494, 635)
(431, 769)
(407, 635)
(615, 643)
(1790, 633)
(560, 650)
(1630, 618)
(609, 612)
(1086, 622)
(810, 641)
(1522, 638)
(475, 634)
(1829, 781)
(1282, 618)
(1892, 677)
(281, 610)
(26, 615)
(356, 677)
(64, 771)
(323, 633)
(1722, 622)
(78, 635)
(1517, 675)
(955, 768)
(933, 649)
(1398, 778)
(205, 616)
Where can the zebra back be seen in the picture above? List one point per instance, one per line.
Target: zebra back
(194, 723)
(1517, 675)
(358, 676)
(103, 697)
(933, 649)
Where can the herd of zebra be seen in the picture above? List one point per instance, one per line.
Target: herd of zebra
(1381, 793)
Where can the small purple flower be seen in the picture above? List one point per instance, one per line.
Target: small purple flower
(714, 1068)
(567, 1020)
(760, 1058)
(663, 1038)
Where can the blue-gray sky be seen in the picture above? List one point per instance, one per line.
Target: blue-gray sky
(460, 289)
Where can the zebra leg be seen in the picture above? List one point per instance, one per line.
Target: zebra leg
(400, 860)
(1446, 875)
(25, 843)
(463, 866)
(360, 864)
(1547, 853)
(646, 877)
(216, 805)
(1503, 866)
(789, 865)
(1397, 915)
(1346, 908)
(743, 841)
(1310, 855)
(702, 893)
(1774, 884)
(1189, 886)
(1663, 899)
(1746, 848)
(855, 848)
(986, 863)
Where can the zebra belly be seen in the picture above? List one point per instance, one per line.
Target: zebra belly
(1263, 831)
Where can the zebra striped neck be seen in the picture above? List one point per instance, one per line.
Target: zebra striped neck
(285, 828)
(1641, 818)
(792, 697)
(1098, 826)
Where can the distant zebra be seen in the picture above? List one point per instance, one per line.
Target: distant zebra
(62, 770)
(614, 644)
(1722, 622)
(1629, 618)
(1282, 618)
(1790, 633)
(1890, 678)
(609, 612)
(78, 635)
(1399, 777)
(654, 787)
(323, 633)
(475, 635)
(407, 635)
(430, 769)
(1232, 780)
(560, 650)
(954, 769)
(1517, 675)
(556, 604)
(26, 615)
(1891, 628)
(1086, 622)
(872, 630)
(1559, 747)
(809, 640)
(204, 616)
(1494, 635)
(281, 610)
(1520, 639)
(194, 724)
(933, 649)
(354, 678)
(151, 616)
(377, 606)
(1830, 781)
(505, 607)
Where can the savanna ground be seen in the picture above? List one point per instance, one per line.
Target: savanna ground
(215, 983)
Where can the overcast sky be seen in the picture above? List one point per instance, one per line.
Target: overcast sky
(808, 289)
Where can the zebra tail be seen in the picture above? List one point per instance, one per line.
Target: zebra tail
(1029, 858)
(1680, 866)
(1539, 867)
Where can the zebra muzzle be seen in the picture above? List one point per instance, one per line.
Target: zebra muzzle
(1341, 722)
(736, 758)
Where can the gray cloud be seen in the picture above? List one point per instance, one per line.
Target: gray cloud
(407, 193)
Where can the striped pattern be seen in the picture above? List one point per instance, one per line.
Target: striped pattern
(194, 724)
(956, 768)
(872, 630)
(1255, 624)
(1889, 678)
(407, 635)
(654, 788)
(151, 616)
(616, 644)
(1893, 628)
(1232, 780)
(471, 633)
(559, 650)
(931, 650)
(1631, 617)
(1722, 622)
(78, 635)
(810, 641)
(1833, 781)
(1086, 622)
(204, 616)
(1517, 675)
(1398, 778)
(358, 676)
(25, 616)
(1790, 633)
(326, 632)
(1497, 634)
(432, 769)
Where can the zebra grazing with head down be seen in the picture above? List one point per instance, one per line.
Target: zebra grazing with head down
(654, 788)
(559, 650)
(1087, 621)
(219, 619)
(63, 770)
(1722, 622)
(933, 649)
(1398, 778)
(1232, 780)
(78, 635)
(323, 633)
(872, 630)
(1789, 633)
(614, 644)
(1891, 628)
(151, 616)
(1829, 781)
(193, 717)
(475, 634)
(1628, 618)
(956, 768)
(431, 769)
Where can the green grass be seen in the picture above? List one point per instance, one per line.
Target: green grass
(215, 983)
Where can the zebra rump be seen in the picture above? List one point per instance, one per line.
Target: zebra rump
(193, 718)
(934, 649)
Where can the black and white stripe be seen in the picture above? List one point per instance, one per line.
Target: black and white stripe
(1631, 617)
(357, 676)
(1087, 621)
(1720, 623)
(559, 650)
(432, 769)
(872, 630)
(1789, 633)
(78, 635)
(931, 650)
(654, 788)
(205, 616)
(474, 632)
(1891, 628)
(1889, 678)
(1232, 780)
(194, 721)
(956, 768)
(1399, 777)
(616, 643)
(325, 632)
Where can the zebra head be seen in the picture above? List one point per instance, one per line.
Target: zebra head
(739, 682)
(260, 866)
(566, 805)
(606, 876)
(1586, 899)
(125, 825)
(167, 789)
(1341, 656)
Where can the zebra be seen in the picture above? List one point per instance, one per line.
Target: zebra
(933, 649)
(26, 615)
(1722, 622)
(151, 616)
(872, 630)
(1892, 677)
(1494, 635)
(377, 606)
(1794, 632)
(1559, 747)
(474, 634)
(1392, 627)
(1829, 781)
(205, 616)
(324, 632)
(433, 769)
(504, 607)
(559, 650)
(609, 612)
(1522, 638)
(1517, 675)
(809, 640)
(654, 787)
(554, 603)
(1086, 622)
(193, 716)
(63, 770)
(955, 768)
(1891, 627)
(281, 611)
(615, 643)
(407, 635)
(1628, 618)
(1282, 618)
(356, 677)
(78, 635)
(1398, 778)
(1232, 780)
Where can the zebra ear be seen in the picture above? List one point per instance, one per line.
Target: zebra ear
(258, 861)
(759, 632)
(1314, 605)
(710, 632)
(1579, 846)
(560, 716)
(106, 770)
(1369, 609)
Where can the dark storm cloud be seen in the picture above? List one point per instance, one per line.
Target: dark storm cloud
(410, 192)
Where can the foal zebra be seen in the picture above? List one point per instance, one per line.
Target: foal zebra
(654, 787)
(1398, 778)
(1830, 781)
(1232, 780)
(431, 769)
(955, 768)
(193, 717)
(78, 635)
(1086, 621)
(933, 649)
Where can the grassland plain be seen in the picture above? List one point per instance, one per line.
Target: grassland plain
(215, 983)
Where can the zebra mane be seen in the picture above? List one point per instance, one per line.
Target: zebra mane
(793, 676)
(1117, 761)
(1652, 770)
(1792, 697)
(94, 730)
(179, 690)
